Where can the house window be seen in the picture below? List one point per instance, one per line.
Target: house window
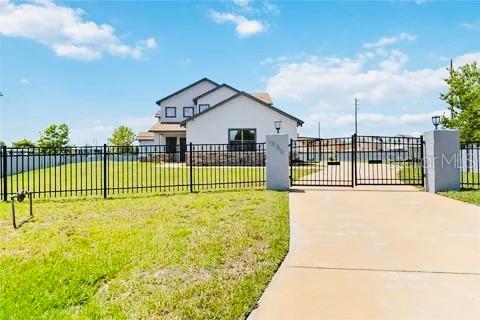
(203, 107)
(170, 112)
(242, 139)
(187, 112)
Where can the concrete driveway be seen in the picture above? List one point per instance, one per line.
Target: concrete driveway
(377, 253)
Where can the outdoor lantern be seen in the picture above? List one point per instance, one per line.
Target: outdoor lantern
(278, 125)
(436, 121)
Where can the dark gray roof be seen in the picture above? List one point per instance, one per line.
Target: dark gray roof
(223, 85)
(242, 93)
(186, 88)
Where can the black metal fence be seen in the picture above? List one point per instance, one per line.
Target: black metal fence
(470, 165)
(108, 170)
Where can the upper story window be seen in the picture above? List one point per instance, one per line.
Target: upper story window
(170, 112)
(202, 107)
(188, 112)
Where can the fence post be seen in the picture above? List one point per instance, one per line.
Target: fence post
(291, 162)
(4, 173)
(422, 155)
(105, 178)
(277, 162)
(190, 161)
(442, 154)
(353, 160)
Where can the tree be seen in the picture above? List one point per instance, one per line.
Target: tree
(23, 143)
(2, 144)
(55, 136)
(122, 136)
(463, 96)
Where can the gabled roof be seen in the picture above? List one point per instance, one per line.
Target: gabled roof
(145, 136)
(166, 127)
(186, 88)
(223, 85)
(241, 93)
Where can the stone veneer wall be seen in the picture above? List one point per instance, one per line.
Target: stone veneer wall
(163, 157)
(227, 158)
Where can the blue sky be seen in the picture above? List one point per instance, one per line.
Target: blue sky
(98, 64)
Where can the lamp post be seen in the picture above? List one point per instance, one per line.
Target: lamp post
(278, 125)
(436, 121)
(356, 116)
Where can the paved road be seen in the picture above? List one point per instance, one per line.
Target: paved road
(385, 253)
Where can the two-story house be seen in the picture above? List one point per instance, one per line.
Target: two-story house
(206, 112)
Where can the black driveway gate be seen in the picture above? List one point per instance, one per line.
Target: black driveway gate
(357, 160)
(322, 162)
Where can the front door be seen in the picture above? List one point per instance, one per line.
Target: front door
(171, 144)
(183, 148)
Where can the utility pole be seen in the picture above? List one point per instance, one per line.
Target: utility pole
(356, 116)
(319, 130)
(452, 112)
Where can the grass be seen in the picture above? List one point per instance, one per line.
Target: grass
(408, 173)
(86, 178)
(471, 196)
(470, 180)
(185, 256)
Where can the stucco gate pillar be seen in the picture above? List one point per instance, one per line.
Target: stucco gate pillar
(442, 160)
(277, 162)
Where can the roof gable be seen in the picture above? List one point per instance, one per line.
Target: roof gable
(186, 88)
(241, 93)
(223, 85)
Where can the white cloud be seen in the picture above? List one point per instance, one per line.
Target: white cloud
(151, 43)
(393, 97)
(384, 41)
(242, 3)
(474, 25)
(467, 58)
(243, 26)
(24, 81)
(65, 31)
(270, 8)
(345, 119)
(326, 82)
(185, 62)
(76, 52)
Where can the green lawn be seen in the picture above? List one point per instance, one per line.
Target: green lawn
(86, 178)
(408, 172)
(185, 256)
(466, 196)
(471, 180)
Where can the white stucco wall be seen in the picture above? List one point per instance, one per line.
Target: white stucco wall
(146, 143)
(162, 137)
(241, 112)
(184, 99)
(155, 141)
(216, 96)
